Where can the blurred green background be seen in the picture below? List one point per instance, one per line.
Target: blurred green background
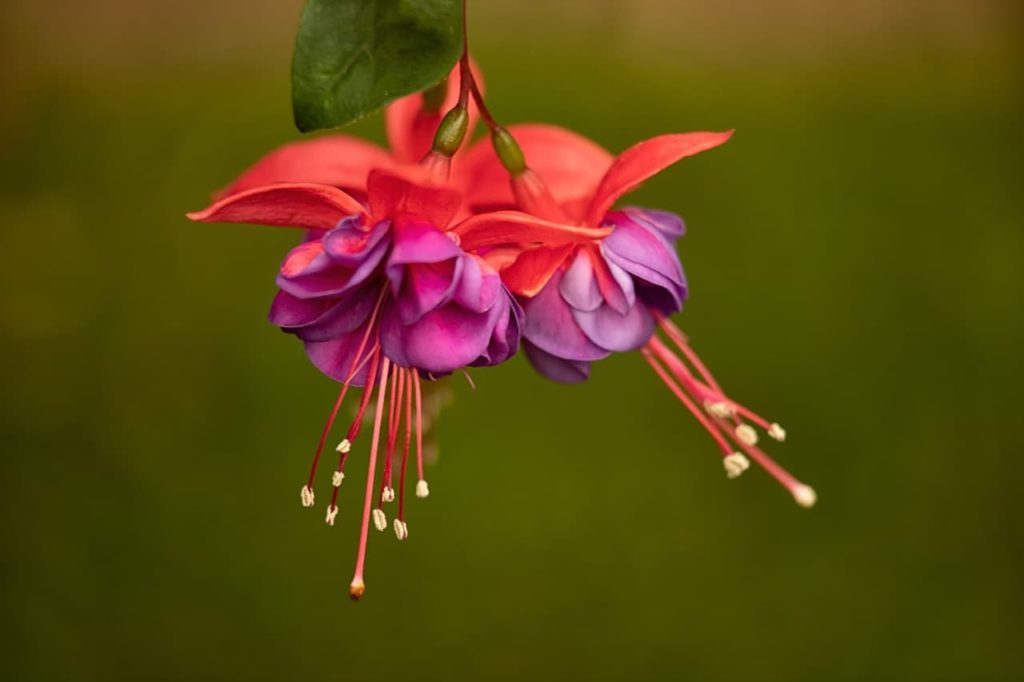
(856, 256)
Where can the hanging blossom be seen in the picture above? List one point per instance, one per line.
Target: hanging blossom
(393, 290)
(584, 301)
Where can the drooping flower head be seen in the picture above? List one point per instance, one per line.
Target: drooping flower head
(586, 300)
(379, 293)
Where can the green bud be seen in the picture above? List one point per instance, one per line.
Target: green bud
(451, 131)
(508, 151)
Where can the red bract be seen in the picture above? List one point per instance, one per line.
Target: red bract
(345, 162)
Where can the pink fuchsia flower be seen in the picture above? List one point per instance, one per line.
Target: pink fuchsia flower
(345, 162)
(380, 293)
(584, 301)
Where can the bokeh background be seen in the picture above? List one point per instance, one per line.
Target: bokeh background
(856, 256)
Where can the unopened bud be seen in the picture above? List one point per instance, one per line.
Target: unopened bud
(380, 519)
(509, 152)
(451, 131)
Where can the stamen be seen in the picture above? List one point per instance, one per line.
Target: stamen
(307, 496)
(421, 487)
(747, 434)
(735, 464)
(380, 519)
(387, 492)
(712, 430)
(332, 513)
(405, 449)
(345, 444)
(357, 423)
(777, 432)
(357, 586)
(401, 530)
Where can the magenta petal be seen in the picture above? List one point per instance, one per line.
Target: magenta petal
(421, 242)
(288, 311)
(609, 329)
(349, 313)
(350, 243)
(314, 282)
(425, 286)
(336, 357)
(478, 288)
(579, 285)
(504, 341)
(550, 325)
(441, 341)
(555, 368)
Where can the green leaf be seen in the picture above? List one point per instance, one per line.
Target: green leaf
(354, 56)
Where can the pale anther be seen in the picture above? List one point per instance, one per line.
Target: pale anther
(401, 530)
(380, 520)
(307, 496)
(422, 489)
(747, 434)
(777, 432)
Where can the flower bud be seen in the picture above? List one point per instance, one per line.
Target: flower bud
(451, 131)
(508, 151)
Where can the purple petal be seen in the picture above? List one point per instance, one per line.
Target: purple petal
(668, 224)
(504, 341)
(349, 244)
(579, 285)
(347, 315)
(550, 325)
(441, 341)
(555, 368)
(287, 311)
(425, 286)
(647, 256)
(335, 357)
(478, 288)
(420, 242)
(332, 281)
(615, 332)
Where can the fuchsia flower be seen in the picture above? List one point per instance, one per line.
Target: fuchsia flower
(584, 301)
(384, 292)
